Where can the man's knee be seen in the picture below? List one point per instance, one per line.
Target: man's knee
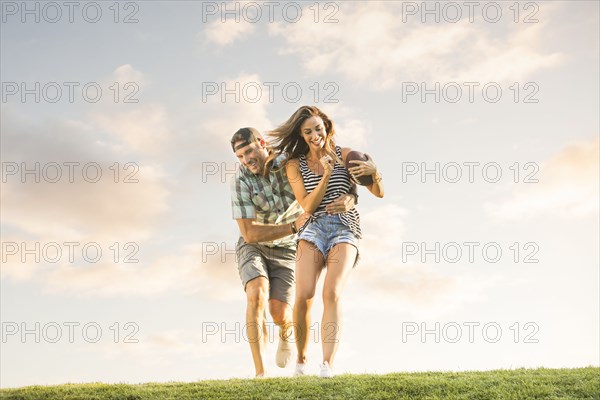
(280, 312)
(257, 292)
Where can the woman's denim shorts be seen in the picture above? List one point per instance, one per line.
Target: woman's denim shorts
(325, 231)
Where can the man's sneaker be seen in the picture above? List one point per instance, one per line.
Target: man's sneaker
(300, 370)
(326, 371)
(284, 353)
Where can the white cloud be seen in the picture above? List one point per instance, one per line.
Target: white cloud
(384, 51)
(80, 209)
(137, 126)
(75, 207)
(193, 270)
(142, 129)
(568, 186)
(126, 73)
(225, 33)
(381, 266)
(425, 289)
(189, 271)
(226, 117)
(13, 266)
(350, 131)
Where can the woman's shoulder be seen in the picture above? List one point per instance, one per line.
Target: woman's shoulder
(293, 162)
(344, 151)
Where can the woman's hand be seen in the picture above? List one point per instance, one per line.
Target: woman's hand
(363, 168)
(328, 164)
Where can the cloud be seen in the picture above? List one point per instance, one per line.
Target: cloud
(73, 210)
(85, 201)
(194, 270)
(188, 354)
(568, 186)
(126, 73)
(226, 117)
(383, 51)
(138, 126)
(13, 267)
(225, 33)
(423, 288)
(158, 348)
(107, 211)
(350, 131)
(381, 266)
(142, 129)
(120, 122)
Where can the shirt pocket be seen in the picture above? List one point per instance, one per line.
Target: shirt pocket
(261, 202)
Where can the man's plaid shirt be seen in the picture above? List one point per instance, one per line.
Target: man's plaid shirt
(268, 200)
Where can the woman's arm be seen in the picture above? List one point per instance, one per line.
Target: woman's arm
(363, 168)
(309, 201)
(377, 186)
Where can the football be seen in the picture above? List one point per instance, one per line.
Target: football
(357, 155)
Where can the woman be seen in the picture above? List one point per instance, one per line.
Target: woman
(315, 169)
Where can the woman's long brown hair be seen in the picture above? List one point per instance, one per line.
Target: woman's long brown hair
(287, 138)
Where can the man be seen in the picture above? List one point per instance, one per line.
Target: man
(268, 216)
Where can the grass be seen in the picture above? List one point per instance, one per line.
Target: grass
(542, 383)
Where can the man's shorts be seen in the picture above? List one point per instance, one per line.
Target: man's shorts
(274, 263)
(325, 231)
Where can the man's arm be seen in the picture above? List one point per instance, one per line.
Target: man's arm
(253, 232)
(345, 202)
(244, 213)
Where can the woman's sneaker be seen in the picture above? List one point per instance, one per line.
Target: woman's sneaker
(300, 370)
(326, 371)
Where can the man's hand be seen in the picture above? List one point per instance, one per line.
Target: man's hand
(342, 204)
(299, 222)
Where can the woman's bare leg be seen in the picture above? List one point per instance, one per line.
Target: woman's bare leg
(340, 261)
(309, 264)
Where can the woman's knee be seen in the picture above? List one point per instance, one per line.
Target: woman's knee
(303, 302)
(305, 295)
(331, 295)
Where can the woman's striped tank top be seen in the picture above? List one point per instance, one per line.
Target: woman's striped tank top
(339, 183)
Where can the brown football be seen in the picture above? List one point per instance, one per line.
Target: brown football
(357, 155)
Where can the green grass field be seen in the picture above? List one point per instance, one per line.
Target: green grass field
(580, 383)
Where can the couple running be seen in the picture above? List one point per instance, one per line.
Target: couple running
(295, 193)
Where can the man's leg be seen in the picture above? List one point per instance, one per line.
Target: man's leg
(257, 292)
(282, 317)
(281, 264)
(253, 273)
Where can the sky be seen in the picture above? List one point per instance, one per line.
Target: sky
(118, 259)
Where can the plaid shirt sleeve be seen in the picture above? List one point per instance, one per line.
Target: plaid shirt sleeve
(241, 199)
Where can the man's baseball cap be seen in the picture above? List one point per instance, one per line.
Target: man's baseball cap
(246, 135)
